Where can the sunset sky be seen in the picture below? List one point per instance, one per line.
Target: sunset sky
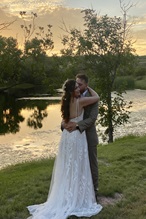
(55, 11)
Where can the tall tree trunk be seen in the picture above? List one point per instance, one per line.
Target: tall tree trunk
(110, 124)
(110, 134)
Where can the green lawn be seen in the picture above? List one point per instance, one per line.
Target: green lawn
(122, 170)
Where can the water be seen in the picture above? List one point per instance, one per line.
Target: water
(33, 133)
(137, 121)
(34, 127)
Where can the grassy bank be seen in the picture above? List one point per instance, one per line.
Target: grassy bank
(122, 170)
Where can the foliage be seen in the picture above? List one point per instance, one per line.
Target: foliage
(41, 44)
(37, 40)
(10, 57)
(140, 71)
(141, 83)
(38, 43)
(106, 51)
(117, 105)
(92, 50)
(28, 30)
(124, 82)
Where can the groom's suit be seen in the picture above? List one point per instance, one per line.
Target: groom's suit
(88, 124)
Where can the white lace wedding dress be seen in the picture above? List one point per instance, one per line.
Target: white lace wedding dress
(71, 191)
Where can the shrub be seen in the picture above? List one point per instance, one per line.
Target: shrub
(126, 82)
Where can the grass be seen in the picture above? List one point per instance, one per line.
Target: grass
(22, 185)
(122, 169)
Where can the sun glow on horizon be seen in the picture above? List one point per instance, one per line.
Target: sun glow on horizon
(54, 11)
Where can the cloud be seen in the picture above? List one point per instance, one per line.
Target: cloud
(13, 7)
(140, 35)
(54, 15)
(140, 42)
(140, 19)
(71, 17)
(138, 23)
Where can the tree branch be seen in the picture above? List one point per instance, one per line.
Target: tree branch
(5, 25)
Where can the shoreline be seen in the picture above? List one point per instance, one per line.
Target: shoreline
(32, 147)
(10, 156)
(32, 144)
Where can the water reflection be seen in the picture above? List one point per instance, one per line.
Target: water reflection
(30, 128)
(11, 114)
(35, 120)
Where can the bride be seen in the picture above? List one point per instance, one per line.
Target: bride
(71, 190)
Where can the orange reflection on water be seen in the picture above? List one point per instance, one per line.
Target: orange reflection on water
(51, 122)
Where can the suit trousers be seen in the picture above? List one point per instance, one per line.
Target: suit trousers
(92, 150)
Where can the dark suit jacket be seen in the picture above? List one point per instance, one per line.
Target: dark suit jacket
(88, 123)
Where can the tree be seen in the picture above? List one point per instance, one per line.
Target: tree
(36, 39)
(28, 29)
(10, 57)
(38, 42)
(35, 57)
(5, 25)
(106, 48)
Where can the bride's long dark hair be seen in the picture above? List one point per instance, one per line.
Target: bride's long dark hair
(68, 88)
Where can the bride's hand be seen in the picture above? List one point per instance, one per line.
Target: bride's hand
(70, 126)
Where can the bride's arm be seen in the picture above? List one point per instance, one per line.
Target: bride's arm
(85, 101)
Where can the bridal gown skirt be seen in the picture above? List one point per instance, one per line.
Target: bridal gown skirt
(71, 190)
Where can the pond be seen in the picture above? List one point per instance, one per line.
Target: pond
(30, 127)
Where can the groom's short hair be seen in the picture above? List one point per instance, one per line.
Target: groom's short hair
(82, 77)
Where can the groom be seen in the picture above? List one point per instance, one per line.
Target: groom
(88, 125)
